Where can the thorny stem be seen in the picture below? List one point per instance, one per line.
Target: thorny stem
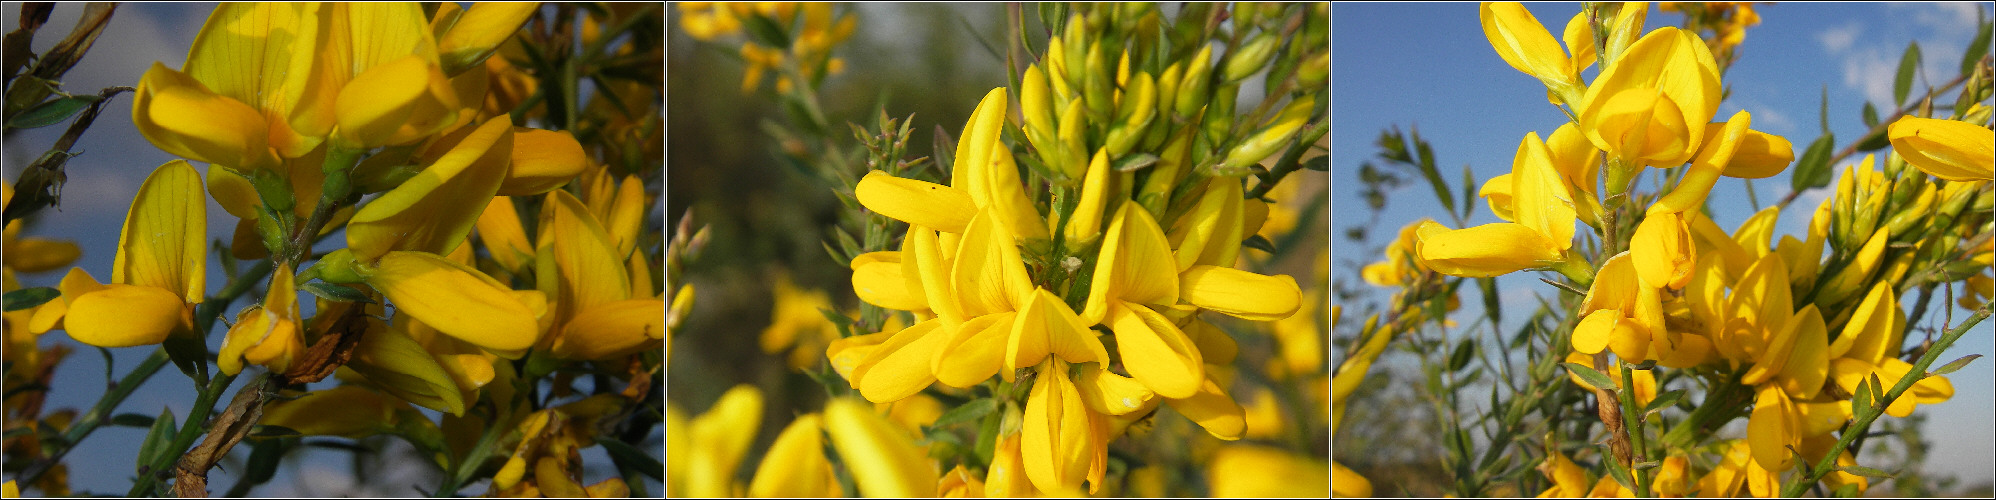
(193, 427)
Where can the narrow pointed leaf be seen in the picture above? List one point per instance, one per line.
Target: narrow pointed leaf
(1592, 377)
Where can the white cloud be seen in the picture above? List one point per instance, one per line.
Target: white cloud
(1940, 20)
(1871, 72)
(1837, 39)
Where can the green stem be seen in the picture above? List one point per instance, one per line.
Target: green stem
(195, 425)
(1632, 422)
(1862, 422)
(462, 470)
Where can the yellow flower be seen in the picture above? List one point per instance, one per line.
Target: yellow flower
(795, 465)
(1948, 149)
(883, 460)
(394, 244)
(474, 34)
(1540, 237)
(1401, 266)
(31, 254)
(1650, 106)
(1524, 44)
(1062, 441)
(267, 334)
(1248, 471)
(382, 83)
(706, 21)
(796, 320)
(1348, 484)
(715, 443)
(598, 313)
(159, 274)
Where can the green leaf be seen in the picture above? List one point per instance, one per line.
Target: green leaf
(1957, 364)
(1870, 115)
(1591, 376)
(1909, 63)
(1813, 170)
(972, 410)
(1864, 471)
(132, 420)
(1434, 176)
(159, 439)
(1617, 471)
(1976, 49)
(1664, 400)
(987, 434)
(1468, 191)
(263, 459)
(1320, 164)
(1860, 403)
(1460, 358)
(30, 297)
(336, 293)
(628, 457)
(52, 111)
(189, 354)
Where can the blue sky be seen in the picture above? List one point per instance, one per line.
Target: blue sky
(1429, 67)
(114, 162)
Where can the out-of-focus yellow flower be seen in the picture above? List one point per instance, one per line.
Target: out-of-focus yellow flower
(1348, 484)
(795, 465)
(706, 21)
(797, 324)
(884, 461)
(1402, 265)
(159, 273)
(714, 444)
(1948, 149)
(1248, 471)
(1568, 479)
(31, 254)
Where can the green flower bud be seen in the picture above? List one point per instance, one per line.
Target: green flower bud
(1191, 93)
(1251, 56)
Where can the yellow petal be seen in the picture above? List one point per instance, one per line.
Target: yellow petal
(1498, 192)
(901, 366)
(1808, 359)
(1542, 203)
(126, 315)
(1345, 483)
(1155, 351)
(882, 284)
(1948, 149)
(612, 329)
(1212, 231)
(348, 411)
(182, 116)
(479, 31)
(1249, 471)
(722, 436)
(1212, 409)
(459, 301)
(589, 269)
(847, 353)
(1662, 251)
(795, 465)
(1714, 158)
(1641, 126)
(1046, 326)
(1772, 428)
(1133, 253)
(499, 226)
(261, 55)
(975, 351)
(884, 463)
(164, 243)
(233, 192)
(379, 101)
(1593, 333)
(433, 211)
(1240, 294)
(916, 202)
(988, 273)
(626, 219)
(542, 160)
(1107, 393)
(1056, 432)
(1487, 250)
(1524, 43)
(1760, 155)
(397, 364)
(1870, 335)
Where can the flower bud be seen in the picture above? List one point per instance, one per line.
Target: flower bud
(1192, 91)
(1251, 57)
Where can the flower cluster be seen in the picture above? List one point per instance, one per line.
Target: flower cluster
(302, 111)
(1803, 335)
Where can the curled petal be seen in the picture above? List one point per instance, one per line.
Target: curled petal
(126, 315)
(1213, 410)
(612, 329)
(433, 211)
(1133, 251)
(1240, 294)
(1948, 149)
(916, 202)
(542, 160)
(1487, 250)
(458, 300)
(1155, 351)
